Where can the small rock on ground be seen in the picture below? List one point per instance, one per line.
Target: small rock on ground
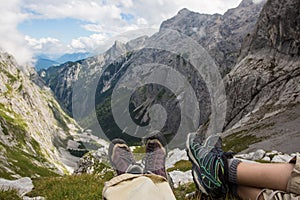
(23, 185)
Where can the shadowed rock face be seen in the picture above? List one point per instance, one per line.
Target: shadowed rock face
(268, 71)
(263, 89)
(220, 35)
(278, 29)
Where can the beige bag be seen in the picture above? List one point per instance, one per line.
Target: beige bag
(137, 187)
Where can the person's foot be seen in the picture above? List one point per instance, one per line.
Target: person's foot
(210, 168)
(156, 155)
(121, 158)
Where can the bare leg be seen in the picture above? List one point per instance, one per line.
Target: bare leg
(273, 176)
(249, 193)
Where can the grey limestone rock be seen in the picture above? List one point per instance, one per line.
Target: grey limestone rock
(267, 159)
(221, 35)
(259, 154)
(181, 178)
(268, 72)
(23, 185)
(93, 162)
(33, 198)
(282, 158)
(31, 120)
(174, 156)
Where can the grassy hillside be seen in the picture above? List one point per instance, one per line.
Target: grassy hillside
(87, 187)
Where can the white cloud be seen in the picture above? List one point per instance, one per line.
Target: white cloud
(11, 40)
(156, 11)
(94, 27)
(39, 44)
(98, 43)
(88, 44)
(142, 21)
(92, 11)
(50, 46)
(106, 15)
(102, 17)
(125, 3)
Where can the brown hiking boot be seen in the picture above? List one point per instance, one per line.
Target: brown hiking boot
(121, 158)
(156, 155)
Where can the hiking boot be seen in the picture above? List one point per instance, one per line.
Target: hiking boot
(156, 155)
(210, 168)
(121, 158)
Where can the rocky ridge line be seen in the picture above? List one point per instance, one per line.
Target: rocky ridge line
(32, 124)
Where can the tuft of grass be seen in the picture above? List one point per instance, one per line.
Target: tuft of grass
(9, 195)
(12, 78)
(240, 141)
(194, 194)
(90, 186)
(262, 161)
(139, 152)
(9, 89)
(182, 190)
(58, 115)
(23, 164)
(182, 165)
(75, 187)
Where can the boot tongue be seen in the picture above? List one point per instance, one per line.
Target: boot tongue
(151, 147)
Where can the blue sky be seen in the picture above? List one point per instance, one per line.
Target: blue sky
(55, 27)
(64, 29)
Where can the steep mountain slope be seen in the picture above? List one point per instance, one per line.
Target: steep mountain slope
(229, 29)
(220, 35)
(61, 79)
(32, 125)
(263, 89)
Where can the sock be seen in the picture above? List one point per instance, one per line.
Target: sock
(232, 166)
(232, 174)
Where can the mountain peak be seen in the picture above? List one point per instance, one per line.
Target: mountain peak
(221, 35)
(246, 3)
(183, 11)
(118, 45)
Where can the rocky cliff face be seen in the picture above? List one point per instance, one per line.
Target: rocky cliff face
(262, 86)
(61, 79)
(263, 89)
(277, 30)
(32, 125)
(220, 35)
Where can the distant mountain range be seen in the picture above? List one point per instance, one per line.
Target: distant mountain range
(220, 35)
(44, 62)
(255, 47)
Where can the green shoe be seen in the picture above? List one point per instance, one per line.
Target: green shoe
(210, 168)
